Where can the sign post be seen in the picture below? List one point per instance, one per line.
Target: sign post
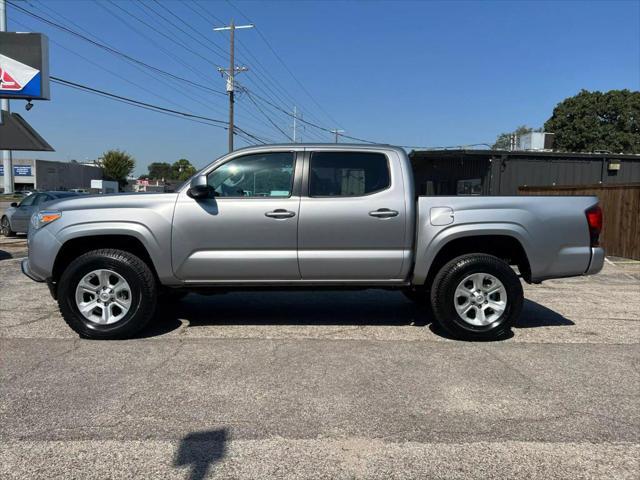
(4, 104)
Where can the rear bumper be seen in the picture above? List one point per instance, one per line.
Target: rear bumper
(597, 261)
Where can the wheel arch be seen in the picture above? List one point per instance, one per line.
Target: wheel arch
(76, 246)
(506, 245)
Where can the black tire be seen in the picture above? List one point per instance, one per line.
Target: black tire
(443, 296)
(5, 228)
(141, 282)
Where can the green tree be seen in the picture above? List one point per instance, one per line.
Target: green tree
(593, 121)
(159, 170)
(117, 165)
(503, 142)
(182, 169)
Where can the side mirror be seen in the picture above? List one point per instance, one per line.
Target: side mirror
(13, 204)
(200, 189)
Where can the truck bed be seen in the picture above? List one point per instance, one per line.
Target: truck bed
(552, 230)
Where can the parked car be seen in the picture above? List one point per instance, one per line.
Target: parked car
(308, 216)
(16, 218)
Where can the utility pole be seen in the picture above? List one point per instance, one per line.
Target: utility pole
(297, 128)
(337, 133)
(231, 73)
(7, 163)
(295, 119)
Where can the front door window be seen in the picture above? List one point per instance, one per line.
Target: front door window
(259, 175)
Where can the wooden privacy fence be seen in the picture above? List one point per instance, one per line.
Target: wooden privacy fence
(621, 207)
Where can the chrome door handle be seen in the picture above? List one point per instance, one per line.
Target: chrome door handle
(384, 213)
(280, 213)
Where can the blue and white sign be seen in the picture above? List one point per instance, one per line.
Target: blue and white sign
(22, 171)
(18, 77)
(19, 171)
(24, 66)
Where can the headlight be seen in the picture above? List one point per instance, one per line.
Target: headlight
(44, 217)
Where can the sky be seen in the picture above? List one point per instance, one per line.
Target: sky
(417, 73)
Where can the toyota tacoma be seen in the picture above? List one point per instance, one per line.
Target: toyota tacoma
(308, 216)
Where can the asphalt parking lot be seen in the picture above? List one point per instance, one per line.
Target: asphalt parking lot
(323, 385)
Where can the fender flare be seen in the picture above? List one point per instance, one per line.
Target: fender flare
(426, 255)
(136, 230)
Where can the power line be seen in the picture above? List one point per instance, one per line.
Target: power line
(258, 70)
(193, 117)
(169, 22)
(112, 50)
(102, 67)
(155, 30)
(131, 27)
(264, 38)
(183, 31)
(69, 83)
(267, 116)
(214, 122)
(319, 127)
(137, 30)
(275, 88)
(259, 120)
(110, 72)
(357, 139)
(58, 15)
(221, 51)
(200, 118)
(124, 78)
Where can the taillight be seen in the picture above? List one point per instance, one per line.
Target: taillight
(594, 219)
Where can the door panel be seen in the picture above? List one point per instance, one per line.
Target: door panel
(22, 216)
(233, 239)
(249, 237)
(358, 236)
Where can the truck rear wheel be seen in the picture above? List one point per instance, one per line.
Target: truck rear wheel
(476, 296)
(107, 294)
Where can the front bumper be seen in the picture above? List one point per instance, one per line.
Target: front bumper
(24, 265)
(597, 261)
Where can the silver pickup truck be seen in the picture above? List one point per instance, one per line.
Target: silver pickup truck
(308, 216)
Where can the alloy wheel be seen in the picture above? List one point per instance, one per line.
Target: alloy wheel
(480, 299)
(5, 228)
(103, 297)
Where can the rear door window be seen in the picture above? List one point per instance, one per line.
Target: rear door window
(347, 174)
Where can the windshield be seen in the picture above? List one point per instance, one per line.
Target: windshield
(28, 201)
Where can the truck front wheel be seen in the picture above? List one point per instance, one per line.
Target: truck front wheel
(476, 296)
(107, 294)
